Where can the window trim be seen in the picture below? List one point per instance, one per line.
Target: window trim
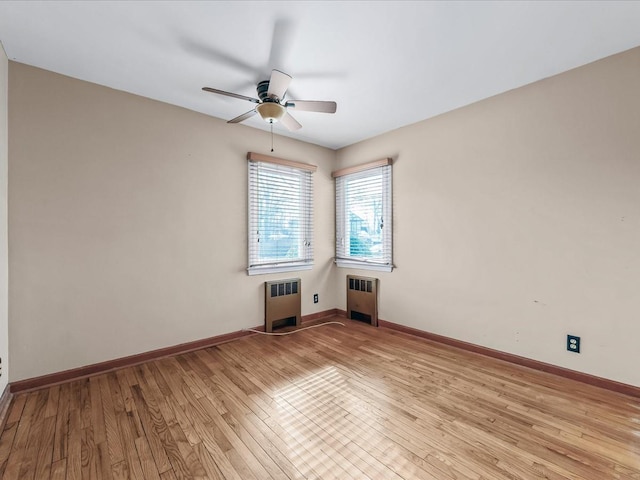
(383, 162)
(259, 157)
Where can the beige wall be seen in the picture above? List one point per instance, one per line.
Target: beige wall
(4, 151)
(516, 220)
(128, 224)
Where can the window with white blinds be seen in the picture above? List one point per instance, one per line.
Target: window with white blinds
(363, 217)
(280, 217)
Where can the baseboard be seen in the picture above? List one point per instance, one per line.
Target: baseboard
(123, 362)
(341, 313)
(319, 315)
(110, 365)
(605, 383)
(5, 402)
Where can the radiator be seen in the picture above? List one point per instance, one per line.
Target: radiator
(362, 299)
(282, 303)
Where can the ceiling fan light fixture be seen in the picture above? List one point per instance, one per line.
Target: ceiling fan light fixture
(271, 111)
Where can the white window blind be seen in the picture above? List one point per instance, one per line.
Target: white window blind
(363, 219)
(280, 218)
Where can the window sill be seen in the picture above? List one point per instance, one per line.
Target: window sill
(278, 268)
(363, 265)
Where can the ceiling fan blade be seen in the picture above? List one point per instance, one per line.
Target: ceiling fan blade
(281, 42)
(209, 53)
(312, 106)
(290, 123)
(278, 84)
(229, 94)
(243, 117)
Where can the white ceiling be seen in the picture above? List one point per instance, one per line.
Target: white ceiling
(386, 64)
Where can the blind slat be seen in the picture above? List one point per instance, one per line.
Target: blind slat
(363, 217)
(280, 215)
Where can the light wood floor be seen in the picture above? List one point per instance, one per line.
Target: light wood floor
(332, 402)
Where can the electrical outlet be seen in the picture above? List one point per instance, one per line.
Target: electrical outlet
(573, 343)
(315, 298)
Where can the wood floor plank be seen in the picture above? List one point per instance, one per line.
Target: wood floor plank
(352, 402)
(125, 391)
(178, 465)
(59, 470)
(51, 408)
(6, 444)
(210, 443)
(17, 406)
(168, 475)
(18, 448)
(190, 459)
(29, 462)
(239, 449)
(89, 455)
(149, 469)
(120, 471)
(112, 434)
(155, 400)
(126, 429)
(151, 431)
(85, 403)
(172, 375)
(184, 422)
(44, 455)
(103, 461)
(209, 464)
(61, 434)
(115, 392)
(74, 455)
(97, 411)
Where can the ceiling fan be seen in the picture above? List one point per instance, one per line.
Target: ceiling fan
(271, 103)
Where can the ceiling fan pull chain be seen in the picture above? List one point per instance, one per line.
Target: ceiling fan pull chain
(271, 122)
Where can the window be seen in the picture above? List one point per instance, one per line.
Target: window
(280, 215)
(363, 216)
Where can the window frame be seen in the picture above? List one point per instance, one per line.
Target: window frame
(303, 172)
(342, 178)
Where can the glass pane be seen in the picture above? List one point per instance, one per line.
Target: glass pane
(364, 209)
(282, 210)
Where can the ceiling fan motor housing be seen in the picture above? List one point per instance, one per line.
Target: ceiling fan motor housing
(270, 109)
(263, 89)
